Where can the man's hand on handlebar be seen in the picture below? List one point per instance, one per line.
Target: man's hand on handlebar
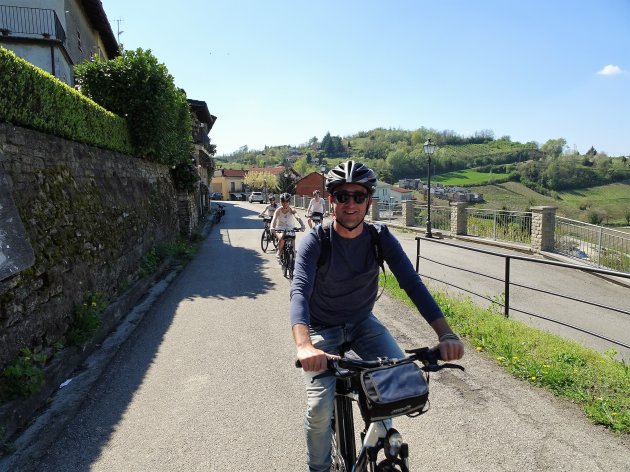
(313, 359)
(451, 349)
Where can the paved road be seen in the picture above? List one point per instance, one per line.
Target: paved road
(206, 383)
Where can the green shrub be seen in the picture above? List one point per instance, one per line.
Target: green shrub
(136, 86)
(32, 98)
(24, 376)
(86, 319)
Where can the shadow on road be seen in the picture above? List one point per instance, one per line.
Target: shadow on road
(222, 270)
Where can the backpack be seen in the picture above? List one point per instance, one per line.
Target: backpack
(323, 234)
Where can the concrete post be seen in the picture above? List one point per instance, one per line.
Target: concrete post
(459, 220)
(543, 228)
(407, 210)
(374, 210)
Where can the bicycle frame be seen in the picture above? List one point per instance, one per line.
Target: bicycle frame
(373, 436)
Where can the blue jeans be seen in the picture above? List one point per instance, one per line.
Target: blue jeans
(369, 339)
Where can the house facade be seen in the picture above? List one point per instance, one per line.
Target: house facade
(391, 193)
(308, 184)
(202, 122)
(230, 182)
(56, 38)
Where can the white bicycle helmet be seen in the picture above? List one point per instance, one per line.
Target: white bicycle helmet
(351, 172)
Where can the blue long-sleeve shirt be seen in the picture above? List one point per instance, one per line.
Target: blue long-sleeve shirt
(344, 289)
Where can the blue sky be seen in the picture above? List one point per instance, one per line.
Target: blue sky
(280, 72)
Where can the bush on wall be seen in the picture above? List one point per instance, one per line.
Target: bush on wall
(136, 86)
(32, 98)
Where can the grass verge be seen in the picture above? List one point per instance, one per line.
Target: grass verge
(599, 384)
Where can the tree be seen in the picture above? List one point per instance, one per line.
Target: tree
(327, 145)
(554, 147)
(261, 180)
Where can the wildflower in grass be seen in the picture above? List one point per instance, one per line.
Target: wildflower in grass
(500, 358)
(479, 348)
(533, 377)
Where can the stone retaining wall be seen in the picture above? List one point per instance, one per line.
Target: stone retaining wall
(90, 215)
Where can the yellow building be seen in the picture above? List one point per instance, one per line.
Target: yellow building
(230, 182)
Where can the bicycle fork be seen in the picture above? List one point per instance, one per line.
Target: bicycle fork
(344, 424)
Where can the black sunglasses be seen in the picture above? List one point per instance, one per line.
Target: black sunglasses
(343, 197)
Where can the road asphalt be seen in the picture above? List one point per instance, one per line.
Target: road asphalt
(202, 379)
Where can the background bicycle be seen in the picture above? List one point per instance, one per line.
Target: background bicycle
(268, 236)
(287, 256)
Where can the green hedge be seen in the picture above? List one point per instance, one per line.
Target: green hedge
(32, 98)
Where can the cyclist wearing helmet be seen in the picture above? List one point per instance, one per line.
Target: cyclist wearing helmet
(285, 218)
(315, 208)
(271, 208)
(332, 304)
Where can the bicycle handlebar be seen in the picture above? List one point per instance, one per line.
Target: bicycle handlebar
(429, 357)
(286, 230)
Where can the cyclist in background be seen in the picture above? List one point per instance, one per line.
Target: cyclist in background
(271, 208)
(315, 208)
(332, 302)
(285, 218)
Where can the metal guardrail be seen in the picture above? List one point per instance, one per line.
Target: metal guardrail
(596, 245)
(500, 225)
(30, 22)
(507, 284)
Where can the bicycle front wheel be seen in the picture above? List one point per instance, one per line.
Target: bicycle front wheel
(338, 464)
(264, 241)
(291, 264)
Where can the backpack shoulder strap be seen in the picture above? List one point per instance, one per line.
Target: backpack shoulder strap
(376, 243)
(323, 234)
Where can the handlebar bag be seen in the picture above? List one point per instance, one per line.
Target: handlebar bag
(394, 390)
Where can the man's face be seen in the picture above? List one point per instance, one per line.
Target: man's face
(347, 210)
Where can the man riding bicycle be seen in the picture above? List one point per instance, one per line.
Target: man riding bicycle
(285, 218)
(332, 302)
(315, 208)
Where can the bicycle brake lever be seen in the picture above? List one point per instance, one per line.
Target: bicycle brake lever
(438, 367)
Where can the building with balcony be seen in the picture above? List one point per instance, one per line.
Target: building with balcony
(56, 38)
(202, 122)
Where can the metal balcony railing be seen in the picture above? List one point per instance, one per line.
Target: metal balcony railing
(30, 23)
(595, 245)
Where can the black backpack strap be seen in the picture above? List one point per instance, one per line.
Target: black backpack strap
(323, 233)
(376, 243)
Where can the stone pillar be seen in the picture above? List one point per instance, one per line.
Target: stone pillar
(459, 220)
(374, 210)
(543, 228)
(407, 210)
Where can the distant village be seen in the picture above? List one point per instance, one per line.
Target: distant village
(452, 194)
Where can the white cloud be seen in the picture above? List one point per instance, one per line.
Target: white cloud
(610, 70)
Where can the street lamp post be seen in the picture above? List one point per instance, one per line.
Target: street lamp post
(323, 171)
(429, 148)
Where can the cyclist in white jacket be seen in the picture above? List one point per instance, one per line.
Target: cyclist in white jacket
(315, 208)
